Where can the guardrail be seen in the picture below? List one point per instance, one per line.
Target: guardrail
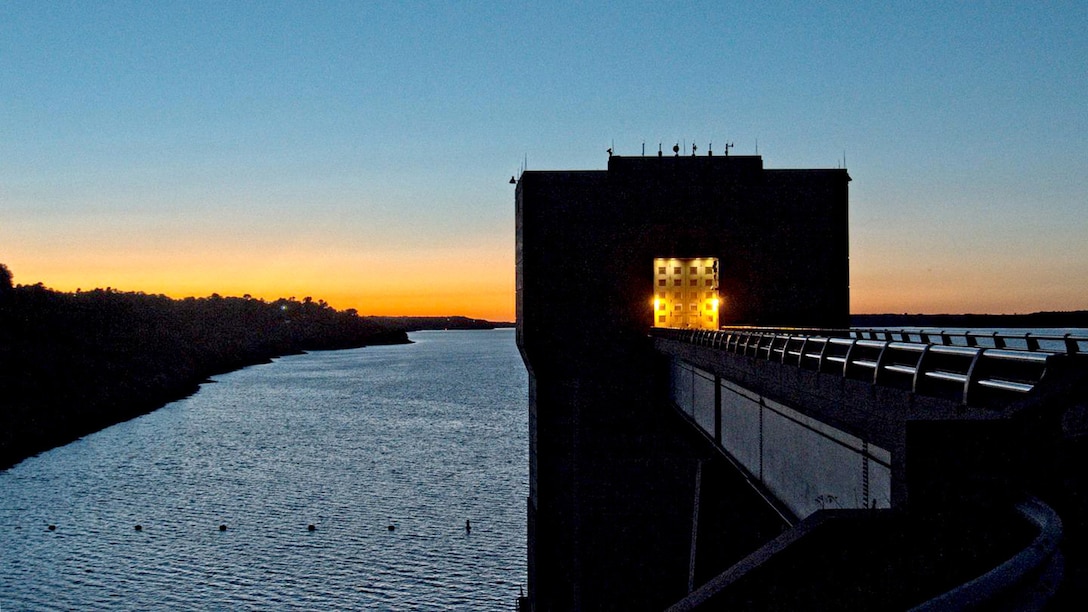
(970, 373)
(1027, 341)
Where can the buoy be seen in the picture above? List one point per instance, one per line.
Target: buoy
(468, 526)
(392, 527)
(139, 528)
(52, 528)
(222, 528)
(310, 527)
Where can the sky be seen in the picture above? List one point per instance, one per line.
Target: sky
(360, 152)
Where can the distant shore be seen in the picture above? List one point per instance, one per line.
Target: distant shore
(1035, 320)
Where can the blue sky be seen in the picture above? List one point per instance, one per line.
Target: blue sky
(317, 148)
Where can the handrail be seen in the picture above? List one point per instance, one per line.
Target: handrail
(1029, 341)
(973, 374)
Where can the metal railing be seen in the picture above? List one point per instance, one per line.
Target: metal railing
(960, 367)
(1068, 343)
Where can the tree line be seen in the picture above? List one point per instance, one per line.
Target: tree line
(72, 363)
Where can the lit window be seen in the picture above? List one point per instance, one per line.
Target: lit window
(679, 307)
(710, 270)
(661, 282)
(661, 306)
(694, 282)
(676, 270)
(694, 270)
(709, 282)
(693, 307)
(661, 319)
(661, 269)
(676, 282)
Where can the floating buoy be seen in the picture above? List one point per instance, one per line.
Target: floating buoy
(222, 528)
(392, 527)
(139, 528)
(311, 527)
(468, 526)
(52, 528)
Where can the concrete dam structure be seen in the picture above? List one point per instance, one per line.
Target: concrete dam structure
(679, 460)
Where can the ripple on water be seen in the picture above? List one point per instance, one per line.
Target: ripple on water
(423, 436)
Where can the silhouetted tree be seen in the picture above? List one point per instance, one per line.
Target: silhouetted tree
(5, 280)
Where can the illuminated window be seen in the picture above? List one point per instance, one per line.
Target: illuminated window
(699, 293)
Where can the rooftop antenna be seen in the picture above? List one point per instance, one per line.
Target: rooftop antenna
(693, 147)
(659, 149)
(757, 146)
(644, 148)
(676, 150)
(710, 150)
(727, 146)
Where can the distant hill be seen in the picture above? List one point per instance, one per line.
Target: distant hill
(1075, 318)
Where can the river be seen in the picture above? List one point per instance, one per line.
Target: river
(386, 451)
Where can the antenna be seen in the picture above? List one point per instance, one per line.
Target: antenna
(659, 149)
(644, 148)
(757, 145)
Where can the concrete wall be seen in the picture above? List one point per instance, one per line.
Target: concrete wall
(805, 464)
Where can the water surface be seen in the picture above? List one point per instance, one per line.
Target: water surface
(420, 437)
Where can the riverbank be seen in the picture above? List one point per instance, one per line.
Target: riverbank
(74, 363)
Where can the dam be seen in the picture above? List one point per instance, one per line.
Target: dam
(706, 432)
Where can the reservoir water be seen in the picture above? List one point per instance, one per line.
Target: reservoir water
(387, 451)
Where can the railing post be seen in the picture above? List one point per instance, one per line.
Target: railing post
(973, 373)
(1033, 342)
(1071, 346)
(846, 359)
(880, 363)
(919, 370)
